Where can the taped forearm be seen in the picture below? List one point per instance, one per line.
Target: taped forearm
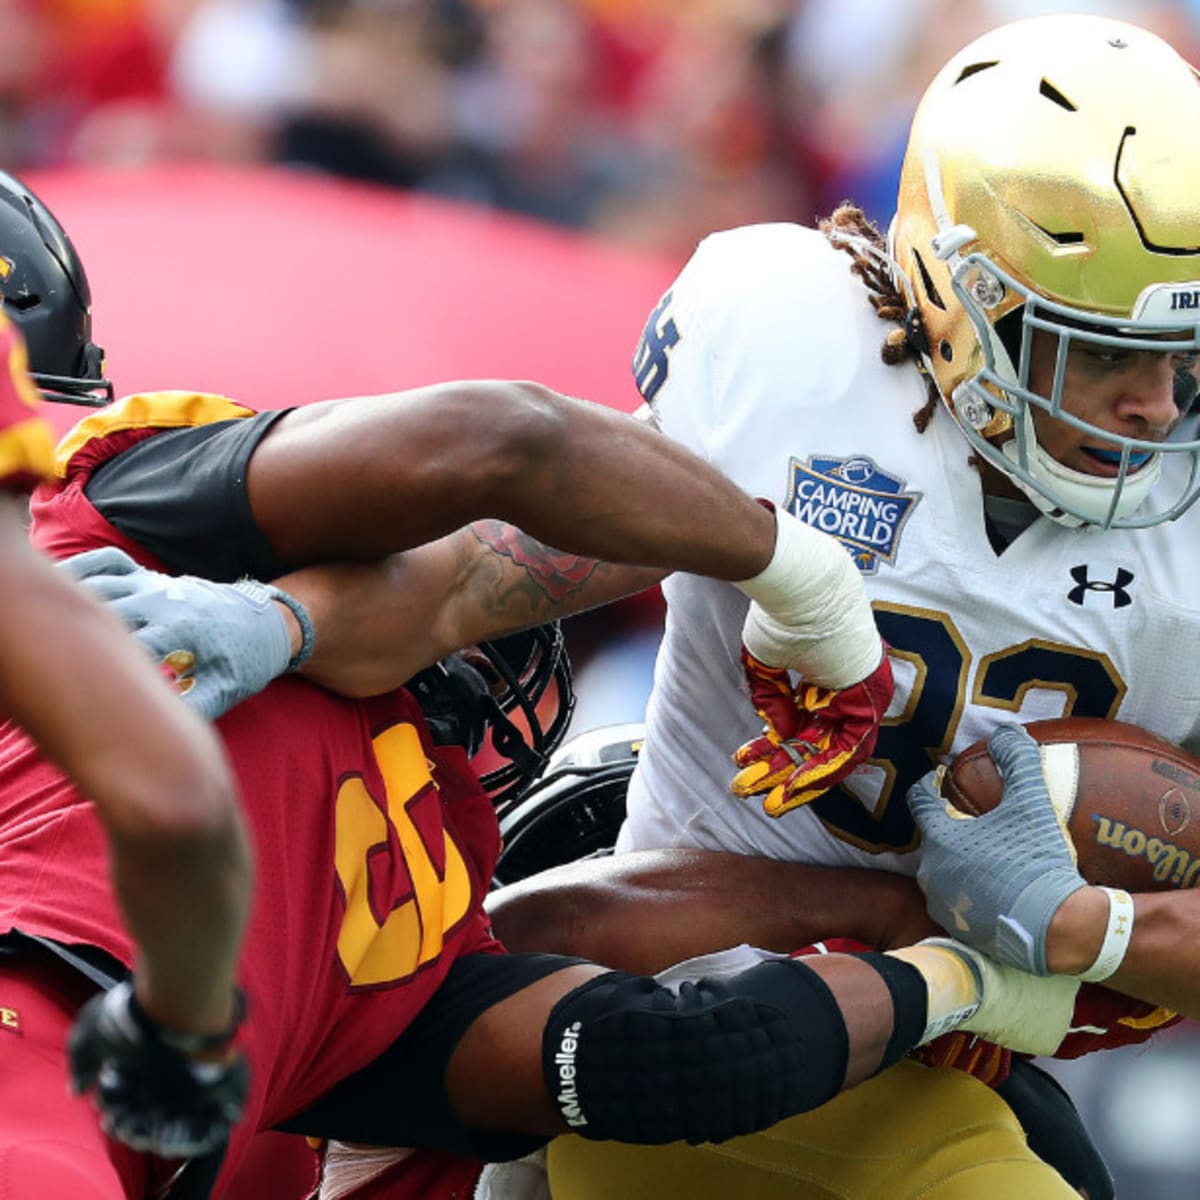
(810, 611)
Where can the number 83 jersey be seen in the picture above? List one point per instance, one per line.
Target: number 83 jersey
(764, 358)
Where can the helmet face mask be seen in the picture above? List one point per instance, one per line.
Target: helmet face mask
(999, 400)
(528, 706)
(507, 702)
(46, 295)
(1047, 193)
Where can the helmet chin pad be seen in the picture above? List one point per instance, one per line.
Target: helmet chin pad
(1049, 484)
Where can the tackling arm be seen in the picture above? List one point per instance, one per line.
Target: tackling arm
(380, 623)
(648, 909)
(366, 477)
(157, 776)
(624, 1057)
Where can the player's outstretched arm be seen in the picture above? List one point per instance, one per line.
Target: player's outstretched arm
(363, 478)
(613, 1055)
(686, 903)
(729, 1050)
(368, 477)
(330, 483)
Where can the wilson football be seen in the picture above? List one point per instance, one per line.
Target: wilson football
(1131, 800)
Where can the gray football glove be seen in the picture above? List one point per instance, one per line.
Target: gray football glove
(224, 642)
(995, 881)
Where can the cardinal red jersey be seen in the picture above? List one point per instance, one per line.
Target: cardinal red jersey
(373, 853)
(26, 441)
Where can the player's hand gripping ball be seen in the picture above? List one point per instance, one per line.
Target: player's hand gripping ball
(1084, 801)
(1129, 800)
(812, 738)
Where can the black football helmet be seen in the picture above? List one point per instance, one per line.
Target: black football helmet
(507, 702)
(576, 809)
(46, 294)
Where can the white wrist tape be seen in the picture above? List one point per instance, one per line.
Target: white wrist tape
(1029, 1013)
(810, 611)
(1116, 937)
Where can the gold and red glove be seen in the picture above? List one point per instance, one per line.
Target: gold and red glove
(969, 1053)
(1105, 1019)
(812, 738)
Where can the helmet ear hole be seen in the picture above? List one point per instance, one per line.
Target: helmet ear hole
(930, 288)
(22, 302)
(914, 331)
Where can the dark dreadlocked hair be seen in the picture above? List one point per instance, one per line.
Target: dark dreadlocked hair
(846, 227)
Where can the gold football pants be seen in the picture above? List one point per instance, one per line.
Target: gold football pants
(912, 1133)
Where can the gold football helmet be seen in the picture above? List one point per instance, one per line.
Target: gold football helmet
(1052, 182)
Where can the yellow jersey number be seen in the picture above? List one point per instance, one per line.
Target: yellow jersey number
(945, 679)
(377, 952)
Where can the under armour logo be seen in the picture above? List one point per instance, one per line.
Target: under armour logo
(959, 910)
(650, 357)
(1116, 588)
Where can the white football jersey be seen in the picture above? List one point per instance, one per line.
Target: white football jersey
(764, 358)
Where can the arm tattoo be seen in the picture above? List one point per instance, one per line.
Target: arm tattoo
(547, 574)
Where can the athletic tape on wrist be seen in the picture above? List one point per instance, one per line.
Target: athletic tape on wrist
(308, 635)
(813, 614)
(1117, 936)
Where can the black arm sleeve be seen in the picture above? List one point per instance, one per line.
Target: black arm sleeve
(182, 495)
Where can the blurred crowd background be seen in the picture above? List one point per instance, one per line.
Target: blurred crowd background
(645, 123)
(648, 122)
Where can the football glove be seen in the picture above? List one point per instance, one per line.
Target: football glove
(220, 643)
(969, 1053)
(1104, 1019)
(812, 738)
(152, 1093)
(995, 881)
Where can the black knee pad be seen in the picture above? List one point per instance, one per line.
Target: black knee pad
(626, 1058)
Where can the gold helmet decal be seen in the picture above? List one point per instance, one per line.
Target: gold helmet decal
(1051, 175)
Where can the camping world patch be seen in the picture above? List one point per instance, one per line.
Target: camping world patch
(854, 501)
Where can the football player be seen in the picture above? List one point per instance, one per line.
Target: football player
(991, 409)
(368, 952)
(175, 849)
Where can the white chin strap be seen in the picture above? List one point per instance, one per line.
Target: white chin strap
(1089, 497)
